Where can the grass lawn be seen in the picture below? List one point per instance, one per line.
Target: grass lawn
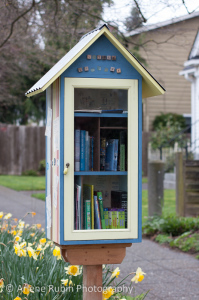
(41, 196)
(23, 183)
(169, 203)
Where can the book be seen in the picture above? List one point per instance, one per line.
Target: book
(97, 214)
(123, 146)
(106, 218)
(88, 194)
(102, 154)
(82, 150)
(91, 152)
(111, 155)
(77, 214)
(87, 214)
(77, 150)
(120, 218)
(119, 200)
(87, 151)
(112, 215)
(100, 201)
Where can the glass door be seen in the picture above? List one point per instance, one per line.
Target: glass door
(101, 171)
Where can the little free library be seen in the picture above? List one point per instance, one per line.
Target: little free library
(94, 142)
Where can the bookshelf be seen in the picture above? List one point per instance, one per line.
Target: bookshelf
(100, 160)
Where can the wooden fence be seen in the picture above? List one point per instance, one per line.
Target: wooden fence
(21, 148)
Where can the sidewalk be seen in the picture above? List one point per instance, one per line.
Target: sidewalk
(170, 274)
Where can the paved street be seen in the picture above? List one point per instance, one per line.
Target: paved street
(170, 274)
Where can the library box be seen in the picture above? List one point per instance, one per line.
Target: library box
(94, 142)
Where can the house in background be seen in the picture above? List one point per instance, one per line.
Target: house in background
(165, 47)
(191, 73)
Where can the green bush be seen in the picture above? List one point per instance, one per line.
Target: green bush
(30, 173)
(166, 127)
(42, 166)
(173, 119)
(170, 225)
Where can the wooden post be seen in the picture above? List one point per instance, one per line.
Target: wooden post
(92, 282)
(92, 257)
(180, 199)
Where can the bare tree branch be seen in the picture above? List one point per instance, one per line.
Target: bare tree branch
(138, 7)
(13, 23)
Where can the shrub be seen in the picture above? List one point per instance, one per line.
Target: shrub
(30, 173)
(173, 119)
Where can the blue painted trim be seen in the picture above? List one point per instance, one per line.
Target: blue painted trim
(61, 160)
(140, 160)
(46, 168)
(101, 115)
(91, 242)
(100, 173)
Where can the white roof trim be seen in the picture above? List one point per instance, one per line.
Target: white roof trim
(195, 49)
(162, 24)
(62, 62)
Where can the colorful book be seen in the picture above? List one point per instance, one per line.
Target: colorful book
(77, 150)
(111, 155)
(88, 194)
(77, 207)
(100, 201)
(112, 215)
(97, 214)
(106, 218)
(120, 218)
(82, 150)
(102, 154)
(119, 200)
(87, 214)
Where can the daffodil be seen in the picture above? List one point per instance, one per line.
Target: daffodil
(139, 275)
(21, 224)
(17, 238)
(32, 234)
(107, 293)
(27, 289)
(1, 283)
(38, 250)
(64, 281)
(15, 219)
(17, 298)
(73, 270)
(31, 252)
(8, 216)
(38, 226)
(57, 252)
(1, 214)
(115, 273)
(33, 213)
(42, 241)
(13, 232)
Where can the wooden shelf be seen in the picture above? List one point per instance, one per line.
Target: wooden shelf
(100, 173)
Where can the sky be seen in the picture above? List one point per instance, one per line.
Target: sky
(154, 11)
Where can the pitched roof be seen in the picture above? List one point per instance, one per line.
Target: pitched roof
(194, 53)
(162, 24)
(150, 87)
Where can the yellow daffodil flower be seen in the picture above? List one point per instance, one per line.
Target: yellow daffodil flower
(42, 241)
(57, 252)
(33, 213)
(8, 216)
(139, 276)
(27, 289)
(17, 238)
(38, 250)
(17, 298)
(115, 273)
(31, 252)
(19, 232)
(1, 214)
(107, 293)
(15, 219)
(38, 226)
(1, 283)
(73, 270)
(32, 234)
(21, 224)
(13, 232)
(64, 281)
